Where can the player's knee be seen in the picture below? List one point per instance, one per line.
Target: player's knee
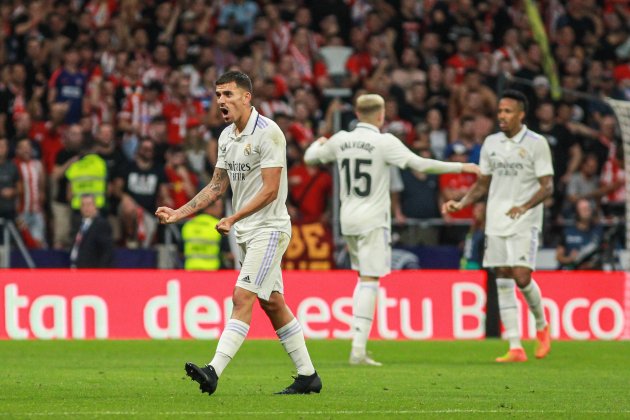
(242, 301)
(270, 306)
(504, 273)
(522, 276)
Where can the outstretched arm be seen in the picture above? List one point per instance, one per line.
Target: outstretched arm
(478, 190)
(208, 195)
(432, 166)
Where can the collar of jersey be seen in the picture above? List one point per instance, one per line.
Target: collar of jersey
(368, 126)
(518, 137)
(249, 127)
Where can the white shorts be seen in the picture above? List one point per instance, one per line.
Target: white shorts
(512, 251)
(260, 263)
(371, 252)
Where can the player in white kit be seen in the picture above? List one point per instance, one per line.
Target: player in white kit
(252, 160)
(517, 175)
(363, 158)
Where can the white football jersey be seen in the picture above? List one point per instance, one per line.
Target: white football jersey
(515, 165)
(363, 157)
(261, 145)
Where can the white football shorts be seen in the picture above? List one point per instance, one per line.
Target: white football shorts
(371, 252)
(260, 263)
(517, 250)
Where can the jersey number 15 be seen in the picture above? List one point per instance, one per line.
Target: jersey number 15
(359, 174)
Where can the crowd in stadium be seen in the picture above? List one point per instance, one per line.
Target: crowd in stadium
(115, 98)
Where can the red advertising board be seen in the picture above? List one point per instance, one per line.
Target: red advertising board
(418, 305)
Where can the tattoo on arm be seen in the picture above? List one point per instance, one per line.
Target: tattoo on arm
(209, 194)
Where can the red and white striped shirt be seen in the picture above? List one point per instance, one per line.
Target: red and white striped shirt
(31, 175)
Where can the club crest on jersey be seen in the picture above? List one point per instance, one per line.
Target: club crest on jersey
(522, 152)
(248, 149)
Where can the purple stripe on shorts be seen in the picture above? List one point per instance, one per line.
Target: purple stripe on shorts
(268, 258)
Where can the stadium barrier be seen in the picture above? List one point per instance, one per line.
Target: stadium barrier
(413, 305)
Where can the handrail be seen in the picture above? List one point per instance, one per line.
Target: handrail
(10, 231)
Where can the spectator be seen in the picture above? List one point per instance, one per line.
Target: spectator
(62, 213)
(222, 52)
(182, 181)
(613, 185)
(93, 246)
(31, 194)
(239, 15)
(464, 58)
(438, 136)
(394, 123)
(566, 151)
(160, 67)
(68, 85)
(455, 186)
(467, 138)
(204, 247)
(142, 187)
(583, 184)
(88, 175)
(310, 189)
(581, 240)
(14, 98)
(9, 178)
(414, 108)
(139, 108)
(181, 112)
(419, 200)
(472, 82)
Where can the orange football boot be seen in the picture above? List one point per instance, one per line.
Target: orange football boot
(543, 343)
(513, 355)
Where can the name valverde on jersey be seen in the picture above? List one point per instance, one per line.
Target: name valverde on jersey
(260, 145)
(515, 165)
(363, 158)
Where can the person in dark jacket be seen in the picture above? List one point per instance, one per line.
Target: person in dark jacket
(93, 244)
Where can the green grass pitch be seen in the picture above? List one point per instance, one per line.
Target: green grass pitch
(145, 379)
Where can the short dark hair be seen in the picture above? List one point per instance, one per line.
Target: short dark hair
(518, 96)
(241, 79)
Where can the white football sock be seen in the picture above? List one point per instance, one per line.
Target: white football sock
(509, 311)
(364, 302)
(532, 295)
(230, 341)
(292, 339)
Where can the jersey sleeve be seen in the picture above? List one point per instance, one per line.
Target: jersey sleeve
(543, 165)
(222, 150)
(320, 153)
(396, 153)
(484, 161)
(273, 146)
